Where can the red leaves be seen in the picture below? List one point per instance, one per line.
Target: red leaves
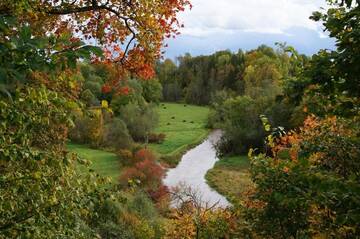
(144, 154)
(124, 90)
(159, 194)
(146, 170)
(106, 89)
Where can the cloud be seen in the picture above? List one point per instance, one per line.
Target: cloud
(263, 16)
(214, 25)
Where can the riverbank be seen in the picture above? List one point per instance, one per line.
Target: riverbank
(230, 177)
(184, 126)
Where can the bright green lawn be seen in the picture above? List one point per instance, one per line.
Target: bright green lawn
(179, 134)
(104, 163)
(230, 177)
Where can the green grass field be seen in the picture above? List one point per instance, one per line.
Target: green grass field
(184, 127)
(230, 177)
(104, 163)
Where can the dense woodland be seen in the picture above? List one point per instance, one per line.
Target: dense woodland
(295, 116)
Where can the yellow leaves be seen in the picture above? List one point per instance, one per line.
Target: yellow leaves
(53, 200)
(37, 175)
(267, 128)
(104, 104)
(250, 153)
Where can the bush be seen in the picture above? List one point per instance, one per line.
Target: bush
(148, 173)
(310, 188)
(242, 126)
(156, 138)
(144, 154)
(133, 216)
(89, 98)
(140, 120)
(116, 135)
(89, 128)
(126, 156)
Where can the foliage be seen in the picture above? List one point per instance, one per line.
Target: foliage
(193, 218)
(140, 121)
(310, 186)
(265, 81)
(342, 22)
(116, 135)
(41, 193)
(132, 217)
(242, 128)
(146, 172)
(89, 127)
(114, 24)
(196, 79)
(156, 138)
(144, 154)
(152, 90)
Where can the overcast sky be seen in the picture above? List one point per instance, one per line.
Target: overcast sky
(214, 25)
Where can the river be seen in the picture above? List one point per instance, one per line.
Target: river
(192, 169)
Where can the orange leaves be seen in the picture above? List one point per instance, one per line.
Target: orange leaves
(146, 72)
(119, 27)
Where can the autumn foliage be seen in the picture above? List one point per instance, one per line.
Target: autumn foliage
(145, 172)
(310, 185)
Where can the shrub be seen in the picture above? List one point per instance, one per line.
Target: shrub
(310, 188)
(88, 128)
(117, 135)
(156, 138)
(140, 120)
(161, 193)
(242, 126)
(126, 156)
(144, 154)
(89, 98)
(147, 173)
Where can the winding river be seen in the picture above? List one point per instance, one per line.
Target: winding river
(193, 167)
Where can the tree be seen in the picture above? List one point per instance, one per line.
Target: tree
(195, 218)
(43, 194)
(130, 32)
(241, 125)
(310, 185)
(342, 22)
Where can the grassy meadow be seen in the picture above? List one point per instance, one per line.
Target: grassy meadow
(184, 126)
(104, 163)
(230, 176)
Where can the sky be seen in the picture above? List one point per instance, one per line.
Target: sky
(214, 25)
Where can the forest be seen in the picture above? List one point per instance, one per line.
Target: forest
(93, 119)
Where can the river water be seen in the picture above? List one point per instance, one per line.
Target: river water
(193, 167)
